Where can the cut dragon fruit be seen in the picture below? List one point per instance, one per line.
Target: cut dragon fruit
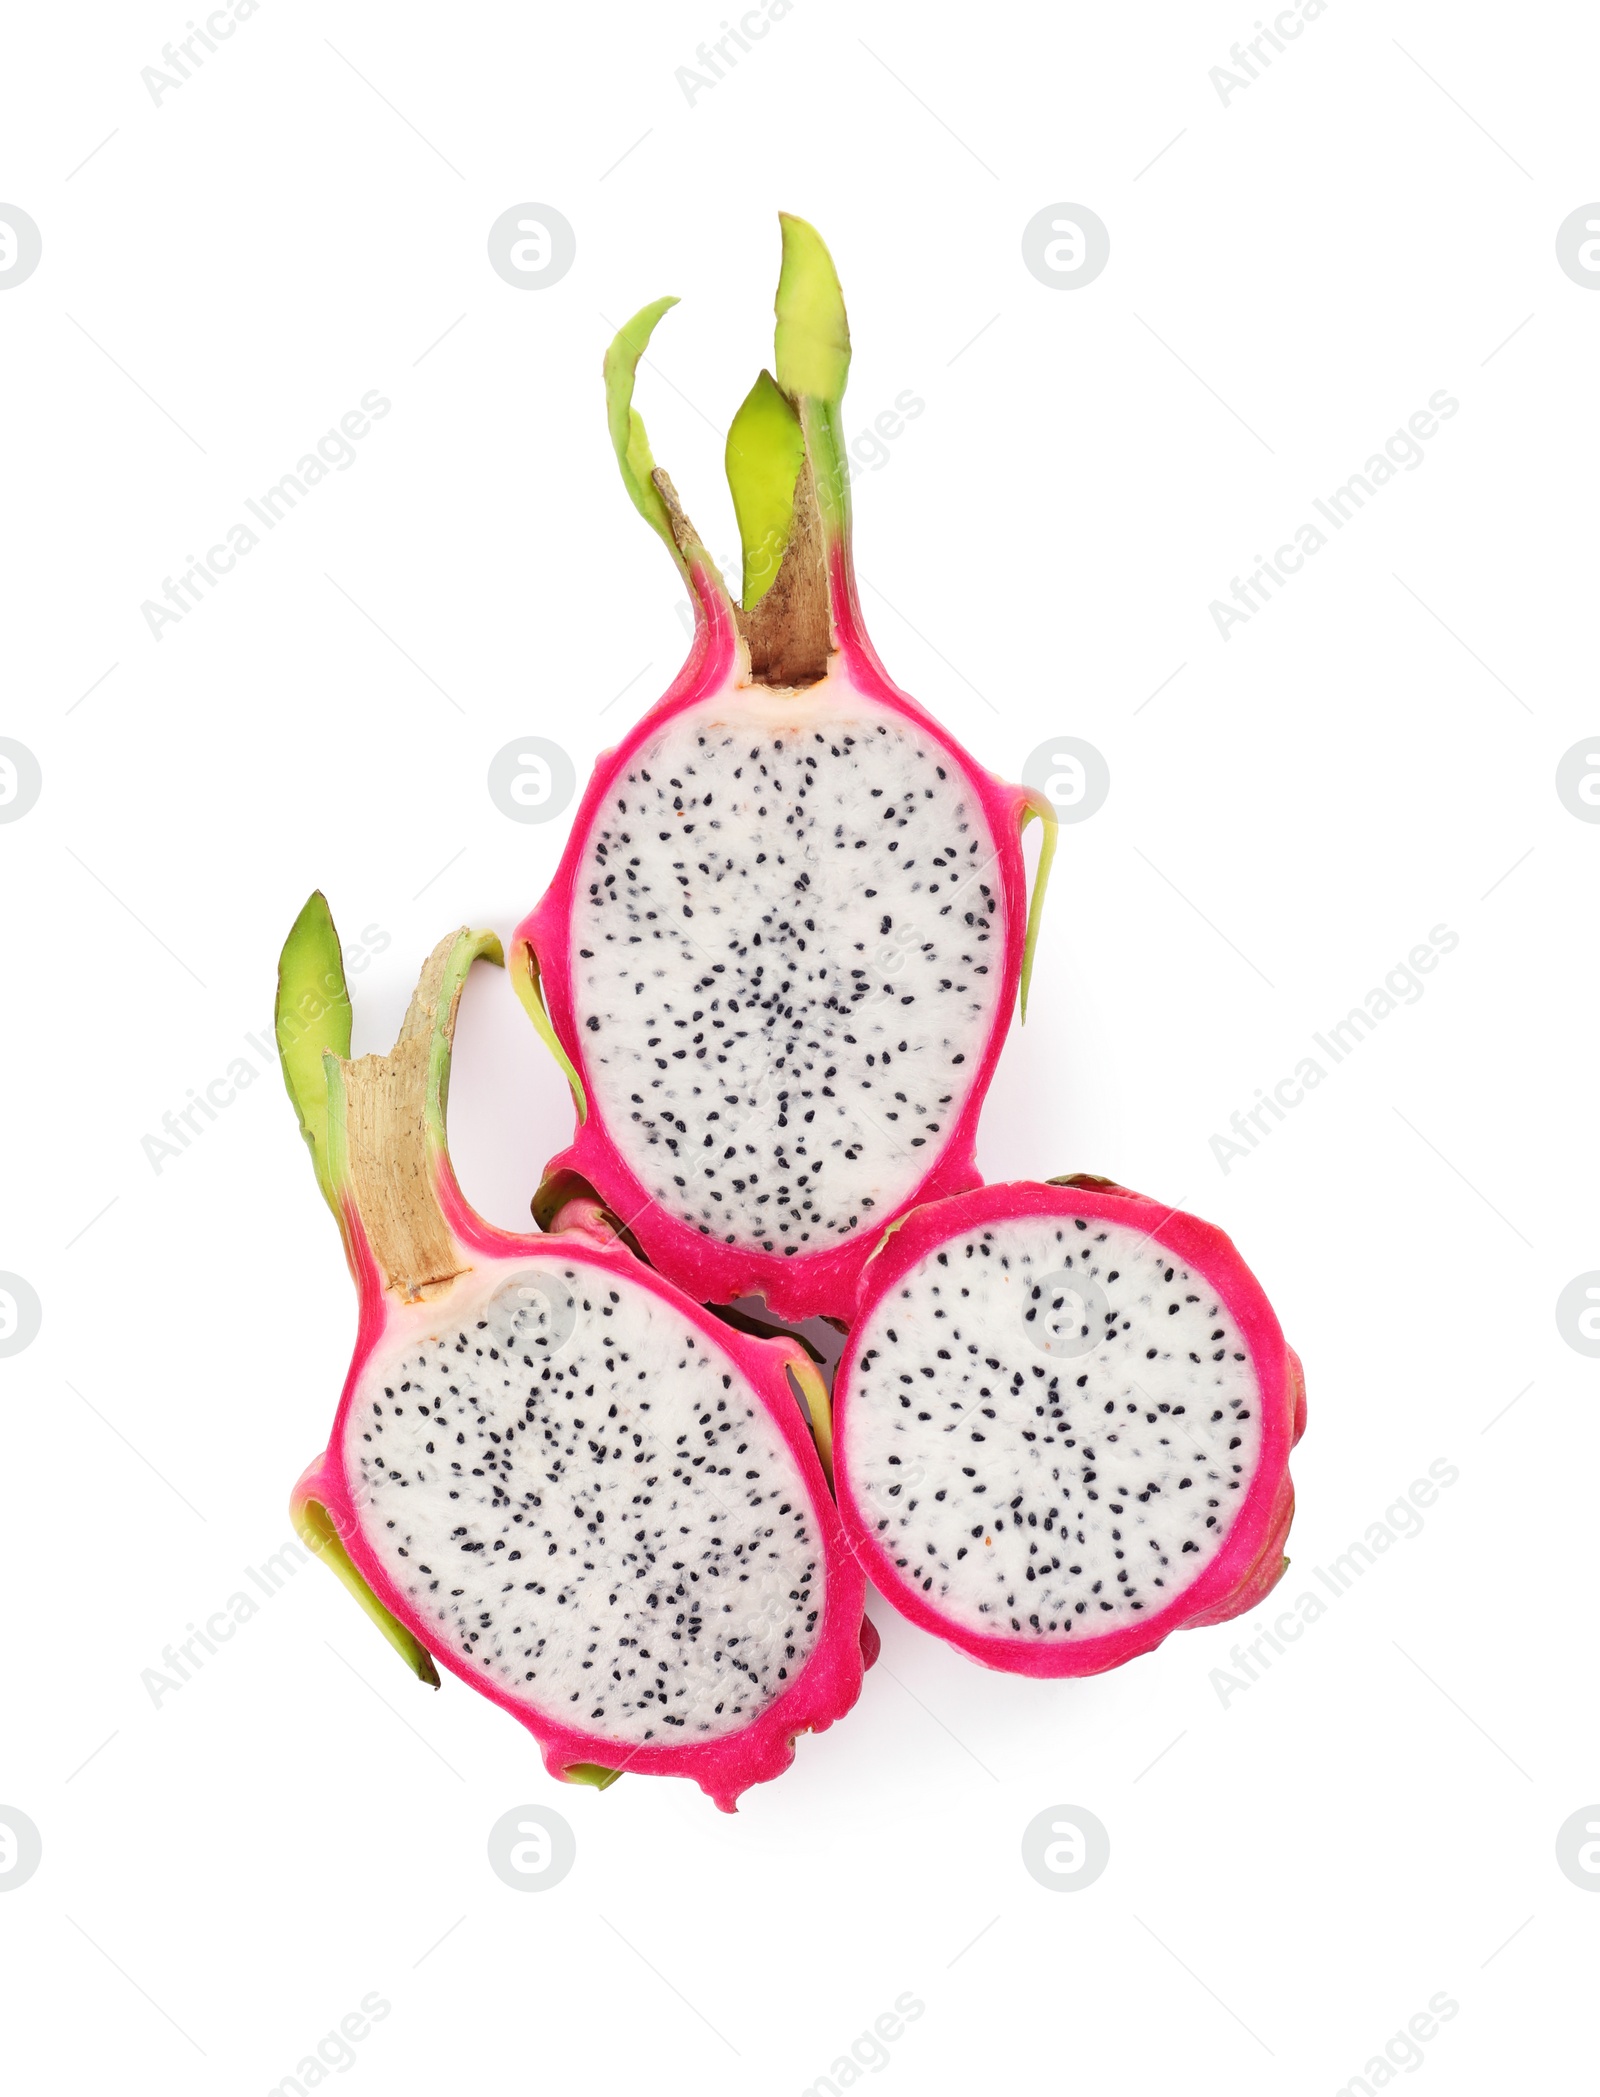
(1062, 1425)
(779, 957)
(577, 1490)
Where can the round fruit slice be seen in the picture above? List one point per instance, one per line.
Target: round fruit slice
(1062, 1425)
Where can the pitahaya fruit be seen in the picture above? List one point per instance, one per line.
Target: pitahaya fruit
(549, 1471)
(779, 956)
(1062, 1425)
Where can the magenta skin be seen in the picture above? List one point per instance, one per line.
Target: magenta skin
(829, 1682)
(810, 1283)
(1250, 1562)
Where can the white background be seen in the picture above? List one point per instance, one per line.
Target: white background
(1372, 1821)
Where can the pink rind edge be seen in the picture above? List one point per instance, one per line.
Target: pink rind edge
(824, 1281)
(829, 1683)
(1250, 1561)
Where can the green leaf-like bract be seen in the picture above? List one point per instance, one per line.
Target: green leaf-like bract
(764, 455)
(812, 345)
(812, 339)
(628, 437)
(312, 1020)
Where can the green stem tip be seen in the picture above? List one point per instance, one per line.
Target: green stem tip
(765, 451)
(628, 438)
(311, 1020)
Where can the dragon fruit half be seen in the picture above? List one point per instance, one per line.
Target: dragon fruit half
(779, 956)
(580, 1492)
(1062, 1425)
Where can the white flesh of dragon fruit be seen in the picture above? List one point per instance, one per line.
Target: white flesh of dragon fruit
(1052, 1426)
(787, 962)
(561, 1477)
